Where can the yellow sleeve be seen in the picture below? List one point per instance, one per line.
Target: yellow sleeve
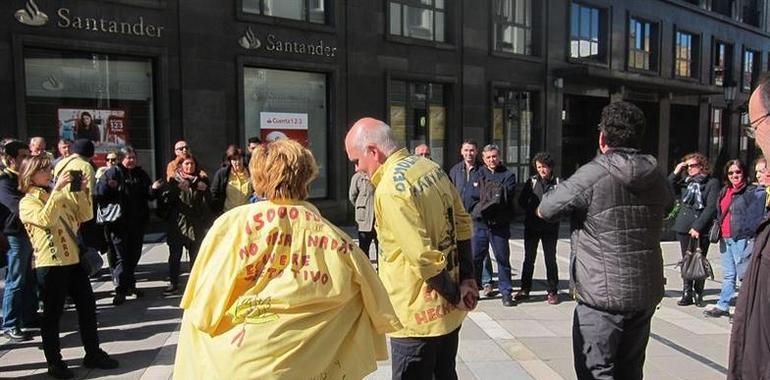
(463, 223)
(209, 291)
(376, 300)
(45, 215)
(399, 214)
(84, 206)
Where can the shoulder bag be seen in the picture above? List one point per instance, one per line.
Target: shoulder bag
(110, 212)
(90, 259)
(715, 232)
(694, 264)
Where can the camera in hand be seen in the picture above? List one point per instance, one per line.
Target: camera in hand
(77, 180)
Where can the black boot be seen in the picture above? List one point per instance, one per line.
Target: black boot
(698, 287)
(686, 299)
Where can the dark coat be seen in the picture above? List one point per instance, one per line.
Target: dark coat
(617, 203)
(530, 197)
(187, 213)
(689, 217)
(464, 183)
(9, 202)
(755, 210)
(738, 213)
(750, 338)
(133, 193)
(503, 176)
(219, 188)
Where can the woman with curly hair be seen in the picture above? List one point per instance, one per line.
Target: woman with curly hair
(699, 193)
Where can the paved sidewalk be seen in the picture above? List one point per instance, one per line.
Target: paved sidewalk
(529, 341)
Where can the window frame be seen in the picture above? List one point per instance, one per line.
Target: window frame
(757, 67)
(729, 60)
(655, 44)
(695, 60)
(534, 30)
(330, 26)
(711, 135)
(605, 30)
(449, 32)
(535, 95)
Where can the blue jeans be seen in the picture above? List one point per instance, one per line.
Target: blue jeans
(498, 236)
(486, 272)
(20, 297)
(733, 254)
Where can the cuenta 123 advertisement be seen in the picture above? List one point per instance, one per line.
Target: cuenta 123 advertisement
(283, 125)
(107, 128)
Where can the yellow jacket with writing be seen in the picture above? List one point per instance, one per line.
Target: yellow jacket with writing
(76, 162)
(278, 292)
(44, 214)
(419, 218)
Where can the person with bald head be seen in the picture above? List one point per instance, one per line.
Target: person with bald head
(750, 338)
(181, 149)
(422, 150)
(37, 147)
(425, 261)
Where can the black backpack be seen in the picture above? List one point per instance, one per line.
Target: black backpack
(493, 197)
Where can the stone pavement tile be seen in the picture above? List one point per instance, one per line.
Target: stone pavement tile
(162, 366)
(683, 367)
(490, 327)
(517, 350)
(471, 351)
(539, 370)
(470, 330)
(560, 328)
(501, 313)
(498, 370)
(549, 348)
(541, 312)
(563, 367)
(383, 372)
(463, 372)
(527, 328)
(694, 324)
(655, 348)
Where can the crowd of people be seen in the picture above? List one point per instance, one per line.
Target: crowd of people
(278, 291)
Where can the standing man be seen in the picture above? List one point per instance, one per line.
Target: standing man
(492, 218)
(463, 176)
(19, 297)
(180, 149)
(422, 150)
(617, 203)
(253, 142)
(749, 342)
(64, 150)
(425, 262)
(79, 159)
(37, 147)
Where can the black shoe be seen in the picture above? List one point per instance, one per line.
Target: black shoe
(100, 360)
(686, 300)
(138, 293)
(59, 370)
(118, 299)
(699, 300)
(16, 335)
(171, 290)
(508, 300)
(716, 313)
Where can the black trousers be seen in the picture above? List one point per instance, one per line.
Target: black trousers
(175, 244)
(126, 242)
(365, 240)
(55, 283)
(425, 358)
(549, 239)
(684, 242)
(609, 345)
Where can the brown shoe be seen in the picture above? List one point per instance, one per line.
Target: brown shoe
(487, 292)
(552, 298)
(521, 295)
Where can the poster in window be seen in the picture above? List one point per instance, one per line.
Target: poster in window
(284, 125)
(398, 122)
(107, 128)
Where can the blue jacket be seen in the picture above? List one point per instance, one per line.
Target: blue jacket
(752, 206)
(740, 208)
(503, 176)
(464, 183)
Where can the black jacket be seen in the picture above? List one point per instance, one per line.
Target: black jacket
(741, 227)
(617, 203)
(9, 202)
(530, 197)
(503, 176)
(219, 188)
(465, 182)
(133, 193)
(690, 217)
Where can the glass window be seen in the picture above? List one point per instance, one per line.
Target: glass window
(723, 56)
(106, 98)
(424, 19)
(716, 140)
(750, 69)
(313, 11)
(512, 128)
(587, 37)
(289, 104)
(642, 45)
(513, 26)
(685, 55)
(418, 115)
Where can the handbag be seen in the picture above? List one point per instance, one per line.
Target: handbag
(90, 259)
(694, 264)
(715, 232)
(108, 213)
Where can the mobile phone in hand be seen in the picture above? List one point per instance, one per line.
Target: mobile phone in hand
(77, 180)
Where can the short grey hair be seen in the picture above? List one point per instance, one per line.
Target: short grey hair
(381, 135)
(491, 147)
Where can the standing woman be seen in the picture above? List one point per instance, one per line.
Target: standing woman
(46, 215)
(129, 185)
(231, 186)
(732, 216)
(699, 194)
(185, 201)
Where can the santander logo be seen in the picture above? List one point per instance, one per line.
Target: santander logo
(31, 15)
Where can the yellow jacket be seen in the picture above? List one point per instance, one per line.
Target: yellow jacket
(76, 162)
(279, 292)
(419, 218)
(42, 214)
